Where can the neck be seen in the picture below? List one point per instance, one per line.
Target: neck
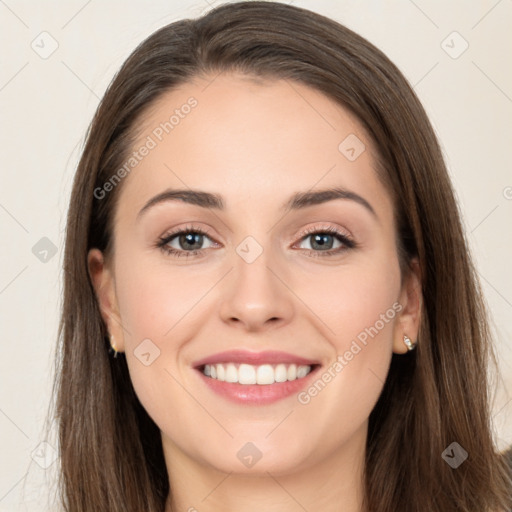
(333, 484)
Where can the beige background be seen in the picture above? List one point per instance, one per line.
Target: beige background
(47, 102)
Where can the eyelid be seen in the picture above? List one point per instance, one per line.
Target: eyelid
(169, 235)
(325, 228)
(343, 236)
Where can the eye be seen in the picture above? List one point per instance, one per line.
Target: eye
(184, 242)
(189, 241)
(326, 241)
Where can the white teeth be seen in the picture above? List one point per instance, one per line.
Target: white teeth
(248, 374)
(302, 371)
(281, 373)
(221, 372)
(292, 372)
(265, 374)
(231, 373)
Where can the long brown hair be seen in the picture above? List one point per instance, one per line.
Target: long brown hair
(111, 452)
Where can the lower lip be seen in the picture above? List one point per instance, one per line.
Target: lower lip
(257, 394)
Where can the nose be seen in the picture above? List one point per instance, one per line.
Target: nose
(256, 297)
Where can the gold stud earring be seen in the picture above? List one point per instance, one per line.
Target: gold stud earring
(408, 343)
(113, 345)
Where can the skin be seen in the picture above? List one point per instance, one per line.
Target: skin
(256, 144)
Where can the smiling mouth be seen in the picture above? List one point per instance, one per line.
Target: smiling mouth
(264, 374)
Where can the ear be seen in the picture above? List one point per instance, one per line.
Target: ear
(102, 279)
(411, 299)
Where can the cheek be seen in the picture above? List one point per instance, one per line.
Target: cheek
(355, 301)
(154, 299)
(157, 306)
(358, 309)
(161, 307)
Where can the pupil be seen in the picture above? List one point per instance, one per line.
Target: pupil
(320, 240)
(190, 238)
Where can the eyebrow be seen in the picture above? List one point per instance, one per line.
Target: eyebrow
(298, 201)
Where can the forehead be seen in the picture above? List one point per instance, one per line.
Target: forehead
(251, 141)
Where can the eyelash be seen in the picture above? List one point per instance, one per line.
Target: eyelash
(347, 242)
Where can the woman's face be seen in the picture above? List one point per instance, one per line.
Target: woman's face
(285, 276)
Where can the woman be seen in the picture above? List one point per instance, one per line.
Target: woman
(322, 343)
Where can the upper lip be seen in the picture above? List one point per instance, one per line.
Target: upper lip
(255, 358)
